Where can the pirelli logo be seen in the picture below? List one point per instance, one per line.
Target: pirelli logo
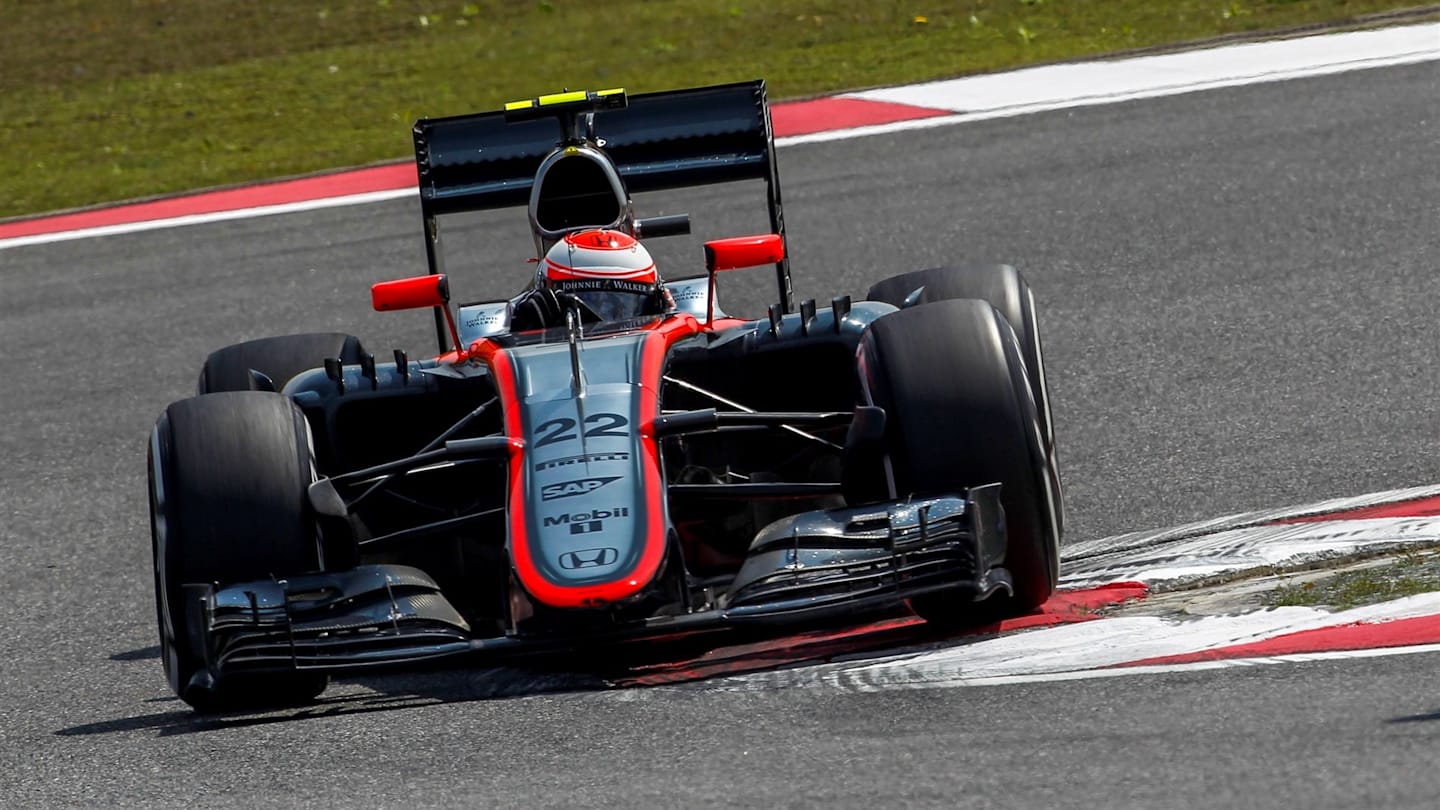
(586, 459)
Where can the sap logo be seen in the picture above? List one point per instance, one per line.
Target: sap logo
(570, 460)
(582, 486)
(586, 522)
(588, 558)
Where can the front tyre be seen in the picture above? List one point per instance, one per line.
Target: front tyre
(277, 358)
(960, 413)
(228, 474)
(1005, 289)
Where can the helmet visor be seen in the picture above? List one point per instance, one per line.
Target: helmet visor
(614, 305)
(612, 300)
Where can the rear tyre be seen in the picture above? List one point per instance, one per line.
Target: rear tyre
(227, 477)
(1007, 291)
(960, 413)
(278, 358)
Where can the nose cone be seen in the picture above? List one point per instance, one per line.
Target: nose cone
(587, 522)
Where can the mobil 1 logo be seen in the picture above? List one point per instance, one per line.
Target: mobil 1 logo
(586, 522)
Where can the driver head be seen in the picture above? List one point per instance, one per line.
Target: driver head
(609, 271)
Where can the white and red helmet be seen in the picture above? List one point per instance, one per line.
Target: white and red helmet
(610, 271)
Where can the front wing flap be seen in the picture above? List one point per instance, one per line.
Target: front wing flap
(868, 557)
(374, 614)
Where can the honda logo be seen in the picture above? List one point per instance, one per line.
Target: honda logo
(588, 558)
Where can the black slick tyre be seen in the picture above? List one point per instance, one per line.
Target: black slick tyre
(278, 358)
(1005, 289)
(227, 476)
(960, 413)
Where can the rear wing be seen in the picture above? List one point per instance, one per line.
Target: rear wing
(657, 141)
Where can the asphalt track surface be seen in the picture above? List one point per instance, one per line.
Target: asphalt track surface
(1237, 293)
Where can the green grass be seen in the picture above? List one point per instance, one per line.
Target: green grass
(1407, 575)
(130, 98)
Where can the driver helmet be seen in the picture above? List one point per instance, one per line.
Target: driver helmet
(609, 271)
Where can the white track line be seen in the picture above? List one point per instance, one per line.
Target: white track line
(1165, 669)
(1003, 95)
(1030, 108)
(1086, 84)
(1227, 555)
(750, 683)
(216, 216)
(1070, 651)
(1104, 80)
(1145, 539)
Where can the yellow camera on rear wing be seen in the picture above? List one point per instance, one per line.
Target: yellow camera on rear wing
(564, 104)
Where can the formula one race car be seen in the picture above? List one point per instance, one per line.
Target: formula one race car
(608, 457)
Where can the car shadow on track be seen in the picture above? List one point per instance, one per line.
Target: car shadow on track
(353, 696)
(1417, 718)
(672, 665)
(142, 654)
(184, 721)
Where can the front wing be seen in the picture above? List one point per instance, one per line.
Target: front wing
(812, 566)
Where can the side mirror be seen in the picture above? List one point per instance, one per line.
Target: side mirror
(417, 293)
(743, 251)
(738, 252)
(411, 293)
